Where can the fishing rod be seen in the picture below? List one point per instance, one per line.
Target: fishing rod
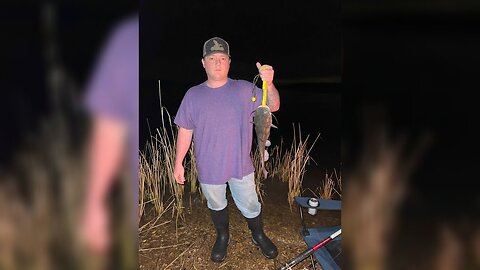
(308, 252)
(264, 99)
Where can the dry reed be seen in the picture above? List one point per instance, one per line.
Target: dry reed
(327, 189)
(294, 163)
(258, 174)
(157, 161)
(41, 200)
(156, 169)
(150, 174)
(274, 163)
(376, 189)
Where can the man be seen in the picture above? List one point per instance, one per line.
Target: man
(218, 115)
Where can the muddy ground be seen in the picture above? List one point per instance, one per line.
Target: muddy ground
(187, 244)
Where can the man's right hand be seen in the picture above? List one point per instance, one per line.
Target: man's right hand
(184, 139)
(179, 174)
(94, 227)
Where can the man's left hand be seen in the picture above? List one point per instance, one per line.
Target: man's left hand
(266, 73)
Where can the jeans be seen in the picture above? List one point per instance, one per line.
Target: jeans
(243, 191)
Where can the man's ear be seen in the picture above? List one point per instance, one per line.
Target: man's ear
(203, 63)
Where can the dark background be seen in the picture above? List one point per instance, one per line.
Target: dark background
(417, 61)
(75, 37)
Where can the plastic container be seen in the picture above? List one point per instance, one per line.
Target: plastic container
(313, 202)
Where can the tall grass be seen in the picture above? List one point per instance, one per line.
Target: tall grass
(327, 190)
(274, 163)
(42, 196)
(150, 176)
(157, 161)
(376, 191)
(258, 174)
(294, 162)
(156, 169)
(330, 187)
(191, 171)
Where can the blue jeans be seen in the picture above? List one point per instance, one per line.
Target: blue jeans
(243, 191)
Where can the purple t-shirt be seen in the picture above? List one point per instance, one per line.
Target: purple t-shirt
(112, 90)
(221, 120)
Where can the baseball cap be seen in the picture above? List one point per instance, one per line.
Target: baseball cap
(216, 45)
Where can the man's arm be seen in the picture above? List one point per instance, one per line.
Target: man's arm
(273, 97)
(106, 151)
(184, 139)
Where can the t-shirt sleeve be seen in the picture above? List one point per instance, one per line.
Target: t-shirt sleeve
(112, 89)
(183, 118)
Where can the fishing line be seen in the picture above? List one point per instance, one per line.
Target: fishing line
(254, 93)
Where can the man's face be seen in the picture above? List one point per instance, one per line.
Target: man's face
(216, 65)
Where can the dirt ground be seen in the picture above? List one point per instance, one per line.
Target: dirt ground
(187, 244)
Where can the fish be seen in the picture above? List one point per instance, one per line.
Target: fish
(262, 120)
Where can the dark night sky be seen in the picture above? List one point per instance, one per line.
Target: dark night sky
(300, 40)
(79, 30)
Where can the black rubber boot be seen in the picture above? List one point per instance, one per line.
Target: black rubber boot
(220, 221)
(259, 238)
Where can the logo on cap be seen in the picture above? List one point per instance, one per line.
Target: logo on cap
(217, 46)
